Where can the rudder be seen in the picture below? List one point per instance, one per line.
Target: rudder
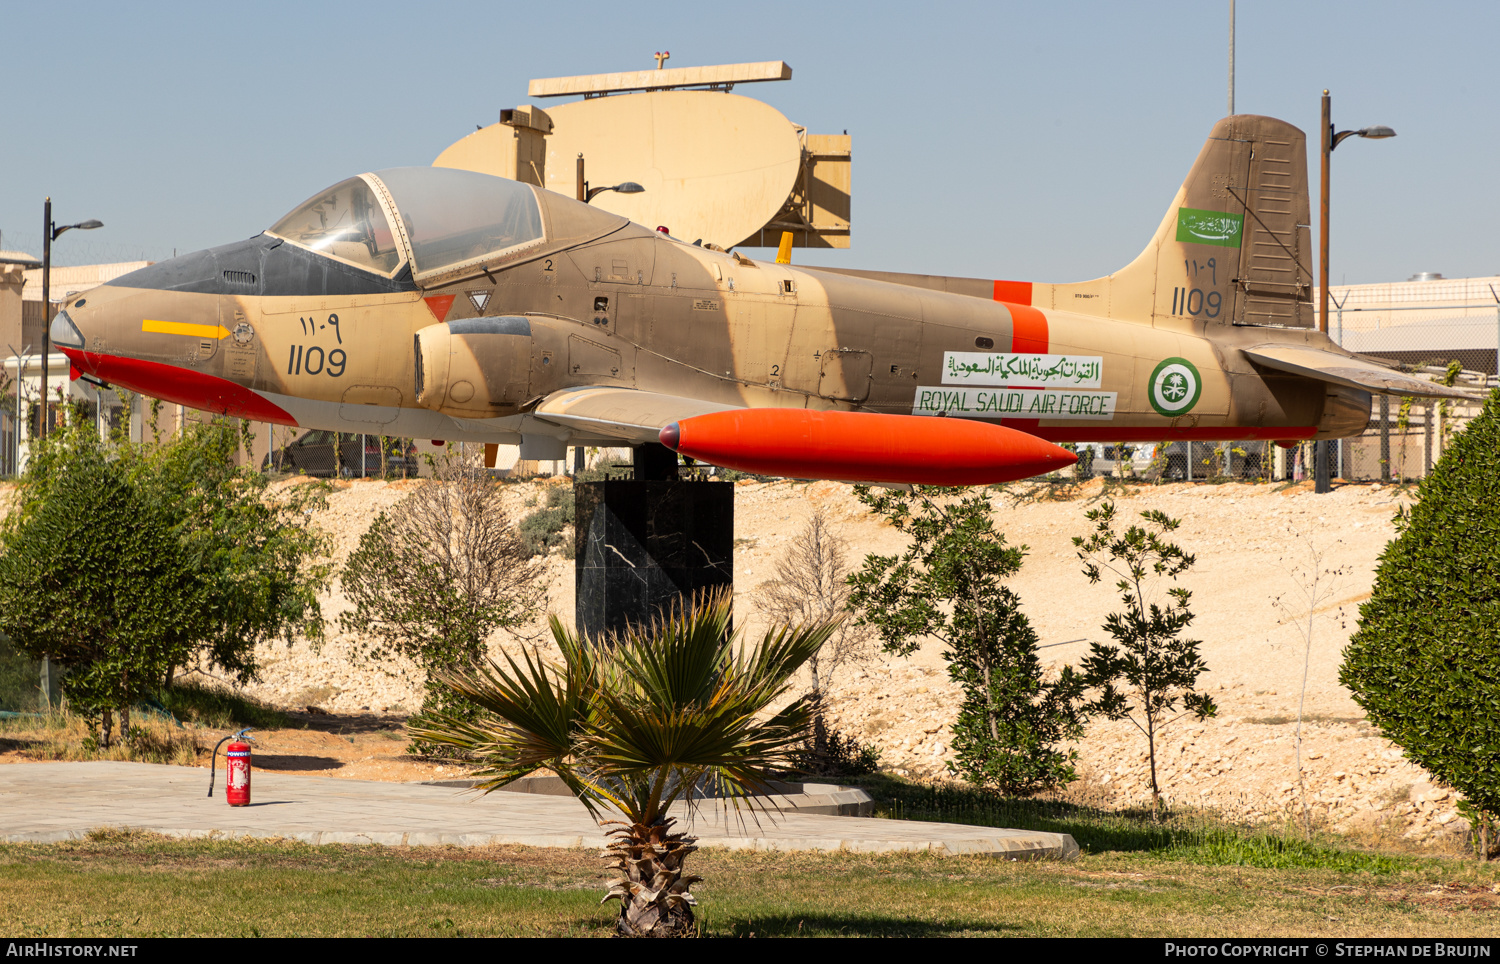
(1244, 208)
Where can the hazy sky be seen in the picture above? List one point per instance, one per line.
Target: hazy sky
(1016, 140)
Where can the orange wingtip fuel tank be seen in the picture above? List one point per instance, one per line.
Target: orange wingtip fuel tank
(864, 446)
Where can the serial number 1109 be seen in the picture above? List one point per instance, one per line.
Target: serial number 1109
(1195, 302)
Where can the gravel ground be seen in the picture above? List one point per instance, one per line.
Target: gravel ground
(1253, 545)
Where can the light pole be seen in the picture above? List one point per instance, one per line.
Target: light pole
(586, 193)
(626, 187)
(50, 232)
(1330, 140)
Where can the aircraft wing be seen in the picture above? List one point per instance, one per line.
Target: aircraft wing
(803, 443)
(1349, 370)
(633, 417)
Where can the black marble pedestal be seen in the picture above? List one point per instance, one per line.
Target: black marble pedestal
(641, 544)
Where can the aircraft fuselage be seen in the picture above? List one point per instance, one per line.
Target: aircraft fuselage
(638, 310)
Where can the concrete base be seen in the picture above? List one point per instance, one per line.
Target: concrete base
(642, 544)
(824, 798)
(51, 802)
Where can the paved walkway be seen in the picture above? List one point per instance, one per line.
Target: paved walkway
(48, 802)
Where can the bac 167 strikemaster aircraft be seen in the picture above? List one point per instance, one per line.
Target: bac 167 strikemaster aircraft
(446, 304)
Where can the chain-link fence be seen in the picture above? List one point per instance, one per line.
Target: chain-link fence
(8, 444)
(26, 685)
(1405, 437)
(1421, 338)
(1456, 345)
(343, 454)
(1182, 461)
(1401, 443)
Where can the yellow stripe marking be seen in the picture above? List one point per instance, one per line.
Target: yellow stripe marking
(217, 332)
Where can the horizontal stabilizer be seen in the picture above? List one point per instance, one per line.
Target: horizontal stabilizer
(623, 413)
(1348, 370)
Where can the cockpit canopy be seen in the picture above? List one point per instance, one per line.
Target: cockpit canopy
(447, 219)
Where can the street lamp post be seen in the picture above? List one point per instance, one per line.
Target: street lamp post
(586, 193)
(1330, 140)
(626, 187)
(50, 232)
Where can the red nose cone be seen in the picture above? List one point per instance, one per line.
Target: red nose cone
(181, 386)
(864, 447)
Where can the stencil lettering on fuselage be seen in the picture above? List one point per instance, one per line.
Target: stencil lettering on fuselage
(1014, 403)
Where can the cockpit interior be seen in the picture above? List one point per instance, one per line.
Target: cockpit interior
(439, 219)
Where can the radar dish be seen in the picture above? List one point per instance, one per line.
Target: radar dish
(715, 166)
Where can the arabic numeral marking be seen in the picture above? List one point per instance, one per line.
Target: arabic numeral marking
(1213, 269)
(310, 327)
(301, 360)
(1196, 301)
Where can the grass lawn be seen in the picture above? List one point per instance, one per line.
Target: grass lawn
(115, 885)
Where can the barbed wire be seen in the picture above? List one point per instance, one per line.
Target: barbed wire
(79, 248)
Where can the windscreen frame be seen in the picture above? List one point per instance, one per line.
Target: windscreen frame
(387, 210)
(494, 257)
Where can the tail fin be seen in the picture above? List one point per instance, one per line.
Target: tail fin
(1234, 247)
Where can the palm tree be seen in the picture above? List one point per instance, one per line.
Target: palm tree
(632, 724)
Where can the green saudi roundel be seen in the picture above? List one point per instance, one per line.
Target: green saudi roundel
(1175, 387)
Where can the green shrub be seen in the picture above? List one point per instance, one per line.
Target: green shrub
(20, 680)
(1153, 668)
(433, 577)
(828, 753)
(542, 530)
(1015, 719)
(1425, 661)
(1084, 467)
(92, 573)
(217, 708)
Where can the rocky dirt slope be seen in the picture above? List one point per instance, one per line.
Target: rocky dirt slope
(1251, 544)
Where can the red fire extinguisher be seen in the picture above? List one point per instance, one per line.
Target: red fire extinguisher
(236, 768)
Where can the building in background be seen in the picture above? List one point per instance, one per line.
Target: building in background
(1425, 320)
(13, 343)
(22, 321)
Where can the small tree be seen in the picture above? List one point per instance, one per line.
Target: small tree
(1153, 669)
(92, 575)
(255, 548)
(435, 576)
(812, 587)
(1425, 661)
(950, 584)
(634, 723)
(1316, 584)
